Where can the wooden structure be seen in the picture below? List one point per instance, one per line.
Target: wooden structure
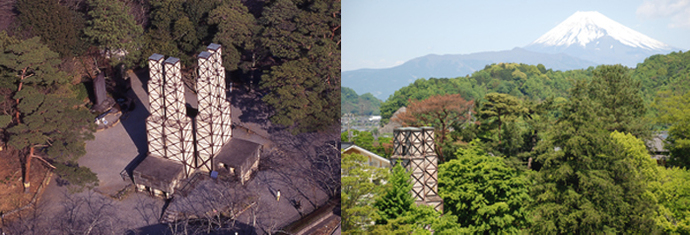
(413, 148)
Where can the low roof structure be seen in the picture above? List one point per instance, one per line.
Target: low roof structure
(656, 145)
(158, 173)
(373, 159)
(236, 152)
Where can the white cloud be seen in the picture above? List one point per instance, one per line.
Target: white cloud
(677, 10)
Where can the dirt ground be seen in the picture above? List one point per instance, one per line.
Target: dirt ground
(11, 188)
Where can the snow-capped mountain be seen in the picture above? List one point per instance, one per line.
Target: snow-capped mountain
(592, 36)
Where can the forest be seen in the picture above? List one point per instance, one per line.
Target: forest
(528, 150)
(288, 51)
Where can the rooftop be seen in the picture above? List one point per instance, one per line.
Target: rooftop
(236, 151)
(159, 168)
(156, 57)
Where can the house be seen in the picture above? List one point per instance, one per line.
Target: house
(656, 147)
(372, 158)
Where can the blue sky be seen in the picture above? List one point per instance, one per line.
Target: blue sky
(385, 33)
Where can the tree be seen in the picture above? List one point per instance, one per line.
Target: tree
(622, 107)
(45, 115)
(440, 111)
(236, 29)
(421, 219)
(52, 22)
(672, 192)
(397, 198)
(675, 112)
(303, 41)
(586, 184)
(484, 193)
(360, 184)
(113, 29)
(497, 109)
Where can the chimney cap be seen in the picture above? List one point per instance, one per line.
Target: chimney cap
(156, 57)
(204, 54)
(213, 47)
(172, 60)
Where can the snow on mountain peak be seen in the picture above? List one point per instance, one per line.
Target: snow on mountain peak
(584, 27)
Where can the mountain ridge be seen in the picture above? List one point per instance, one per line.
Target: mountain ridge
(384, 82)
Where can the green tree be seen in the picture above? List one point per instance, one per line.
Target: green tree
(397, 198)
(675, 112)
(304, 83)
(45, 115)
(484, 193)
(53, 22)
(421, 219)
(361, 183)
(673, 194)
(113, 29)
(498, 109)
(622, 108)
(236, 29)
(186, 36)
(586, 184)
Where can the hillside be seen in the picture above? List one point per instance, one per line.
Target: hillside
(383, 82)
(365, 104)
(669, 72)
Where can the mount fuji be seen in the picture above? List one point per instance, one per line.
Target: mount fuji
(594, 37)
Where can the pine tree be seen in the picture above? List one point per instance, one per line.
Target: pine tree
(45, 116)
(397, 198)
(236, 29)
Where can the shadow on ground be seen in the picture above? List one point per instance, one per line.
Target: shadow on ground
(134, 121)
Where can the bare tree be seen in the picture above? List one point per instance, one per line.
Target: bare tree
(30, 221)
(88, 214)
(212, 207)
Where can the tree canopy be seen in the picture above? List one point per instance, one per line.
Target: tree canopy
(360, 183)
(46, 115)
(396, 199)
(485, 194)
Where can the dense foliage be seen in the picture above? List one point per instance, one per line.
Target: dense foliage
(586, 185)
(396, 199)
(674, 111)
(484, 193)
(519, 80)
(360, 183)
